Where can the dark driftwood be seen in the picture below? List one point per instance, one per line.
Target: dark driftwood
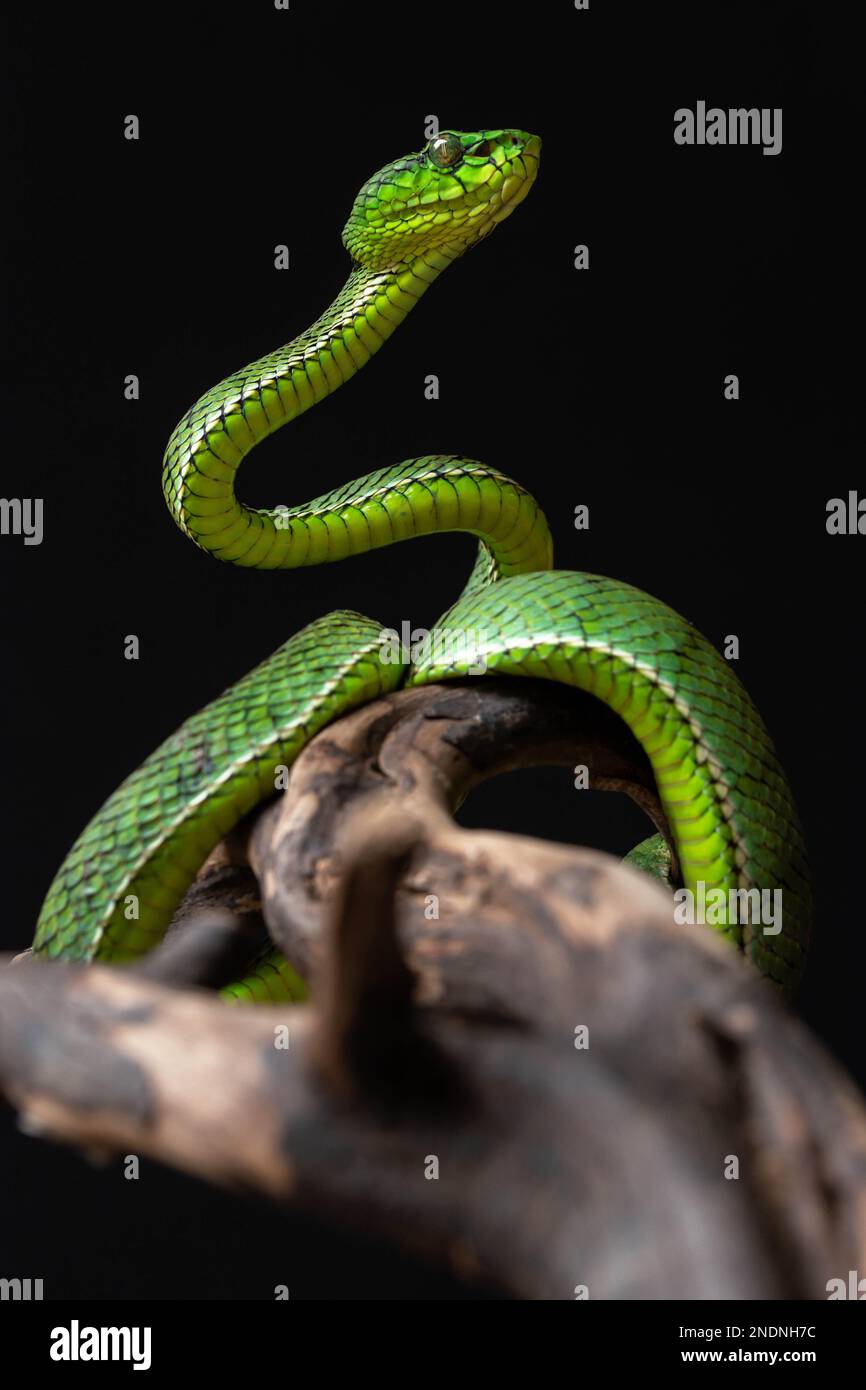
(449, 1041)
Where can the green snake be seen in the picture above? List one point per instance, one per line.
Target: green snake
(728, 806)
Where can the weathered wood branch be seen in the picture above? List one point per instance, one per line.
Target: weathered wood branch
(450, 971)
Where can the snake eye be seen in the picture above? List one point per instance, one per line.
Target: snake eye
(445, 151)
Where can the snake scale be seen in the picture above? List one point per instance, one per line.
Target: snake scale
(728, 805)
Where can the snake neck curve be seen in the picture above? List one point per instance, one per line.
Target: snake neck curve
(211, 441)
(421, 496)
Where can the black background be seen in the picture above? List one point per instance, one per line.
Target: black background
(602, 387)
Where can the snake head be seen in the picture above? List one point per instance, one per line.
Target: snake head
(443, 199)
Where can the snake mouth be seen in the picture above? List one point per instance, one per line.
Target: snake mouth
(441, 200)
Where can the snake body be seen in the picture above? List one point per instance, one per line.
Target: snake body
(727, 802)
